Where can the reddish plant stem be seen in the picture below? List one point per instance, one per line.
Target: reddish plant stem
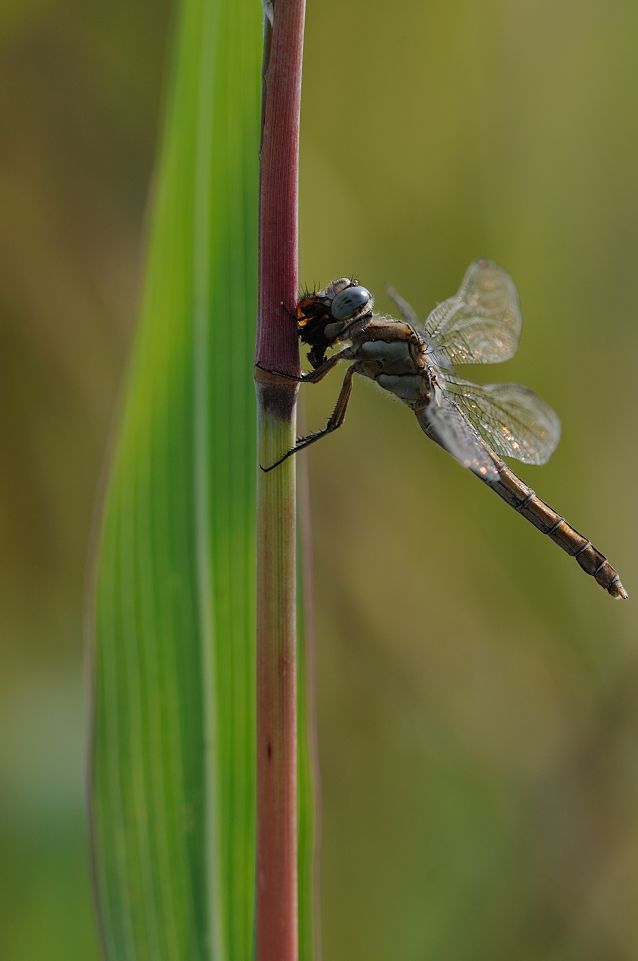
(277, 344)
(277, 347)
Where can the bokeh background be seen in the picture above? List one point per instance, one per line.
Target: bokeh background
(478, 694)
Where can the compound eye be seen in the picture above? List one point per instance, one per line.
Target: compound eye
(349, 301)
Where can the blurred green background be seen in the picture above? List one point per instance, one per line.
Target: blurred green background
(478, 694)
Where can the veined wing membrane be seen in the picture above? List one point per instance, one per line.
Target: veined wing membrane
(514, 420)
(443, 422)
(405, 309)
(481, 324)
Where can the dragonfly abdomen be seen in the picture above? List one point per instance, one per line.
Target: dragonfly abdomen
(526, 502)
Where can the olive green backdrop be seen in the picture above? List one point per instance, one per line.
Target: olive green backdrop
(478, 694)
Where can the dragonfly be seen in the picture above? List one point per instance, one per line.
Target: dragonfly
(478, 425)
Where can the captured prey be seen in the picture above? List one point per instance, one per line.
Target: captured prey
(478, 425)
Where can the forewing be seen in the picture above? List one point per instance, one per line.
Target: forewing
(443, 422)
(481, 324)
(405, 309)
(514, 420)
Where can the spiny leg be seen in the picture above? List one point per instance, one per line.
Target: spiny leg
(336, 420)
(313, 377)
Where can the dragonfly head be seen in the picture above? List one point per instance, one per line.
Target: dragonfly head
(323, 316)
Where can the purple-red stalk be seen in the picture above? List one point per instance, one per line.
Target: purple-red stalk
(277, 347)
(277, 343)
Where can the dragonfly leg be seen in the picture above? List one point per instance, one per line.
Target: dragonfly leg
(312, 377)
(335, 421)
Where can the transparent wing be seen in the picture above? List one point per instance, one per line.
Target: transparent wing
(481, 324)
(405, 309)
(514, 420)
(443, 422)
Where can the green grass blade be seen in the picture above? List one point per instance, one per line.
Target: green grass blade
(173, 740)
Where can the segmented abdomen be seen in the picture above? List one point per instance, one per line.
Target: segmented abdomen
(524, 500)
